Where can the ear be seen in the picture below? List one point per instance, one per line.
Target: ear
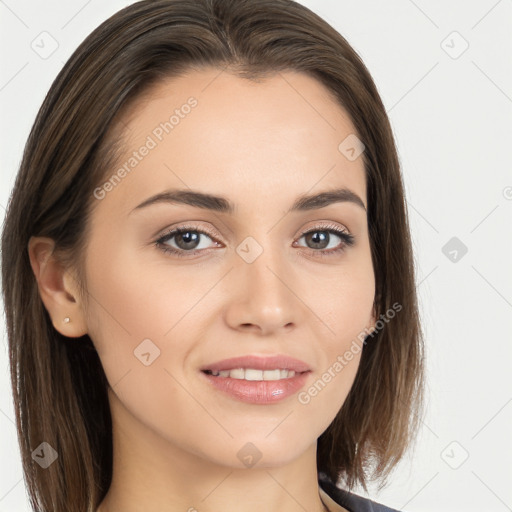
(57, 287)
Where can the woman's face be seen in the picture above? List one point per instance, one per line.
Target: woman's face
(254, 284)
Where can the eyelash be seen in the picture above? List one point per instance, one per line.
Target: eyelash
(347, 240)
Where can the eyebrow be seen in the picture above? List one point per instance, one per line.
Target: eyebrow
(222, 205)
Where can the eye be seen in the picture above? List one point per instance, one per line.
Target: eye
(186, 239)
(319, 239)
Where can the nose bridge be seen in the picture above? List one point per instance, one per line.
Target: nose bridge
(263, 297)
(264, 266)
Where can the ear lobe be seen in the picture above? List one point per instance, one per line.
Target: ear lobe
(57, 288)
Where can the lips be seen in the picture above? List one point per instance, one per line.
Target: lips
(259, 362)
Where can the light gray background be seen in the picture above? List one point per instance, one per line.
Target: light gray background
(451, 116)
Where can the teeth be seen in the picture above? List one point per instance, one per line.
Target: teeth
(252, 374)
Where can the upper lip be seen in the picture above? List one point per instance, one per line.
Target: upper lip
(259, 362)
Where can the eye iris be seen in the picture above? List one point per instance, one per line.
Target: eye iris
(190, 239)
(319, 238)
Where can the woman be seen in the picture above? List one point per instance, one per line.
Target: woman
(209, 236)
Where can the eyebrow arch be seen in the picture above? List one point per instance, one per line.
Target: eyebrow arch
(222, 205)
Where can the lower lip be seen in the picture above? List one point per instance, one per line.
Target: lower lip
(259, 391)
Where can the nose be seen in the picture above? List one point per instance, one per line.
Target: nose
(261, 296)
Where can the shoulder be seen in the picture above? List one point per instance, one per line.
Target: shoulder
(350, 501)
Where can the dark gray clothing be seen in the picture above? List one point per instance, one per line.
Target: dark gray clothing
(352, 502)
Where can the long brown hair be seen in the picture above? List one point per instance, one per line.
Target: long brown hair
(59, 388)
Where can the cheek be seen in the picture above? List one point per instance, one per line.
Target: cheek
(123, 300)
(342, 299)
(140, 306)
(349, 313)
(137, 312)
(344, 307)
(135, 296)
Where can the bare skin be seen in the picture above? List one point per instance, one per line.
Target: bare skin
(259, 145)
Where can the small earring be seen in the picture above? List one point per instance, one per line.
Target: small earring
(66, 320)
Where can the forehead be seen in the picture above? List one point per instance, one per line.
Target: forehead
(276, 101)
(213, 131)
